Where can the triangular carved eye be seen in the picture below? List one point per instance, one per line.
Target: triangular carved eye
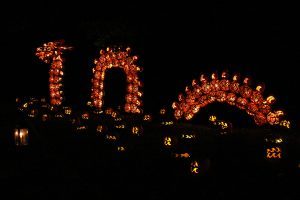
(247, 81)
(224, 74)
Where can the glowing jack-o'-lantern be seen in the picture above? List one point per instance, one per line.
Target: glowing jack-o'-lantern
(162, 111)
(68, 110)
(121, 148)
(273, 139)
(274, 148)
(167, 123)
(223, 126)
(147, 118)
(21, 136)
(101, 129)
(111, 137)
(108, 111)
(114, 114)
(81, 127)
(200, 166)
(137, 130)
(194, 167)
(168, 141)
(273, 153)
(285, 124)
(85, 116)
(120, 126)
(188, 136)
(212, 118)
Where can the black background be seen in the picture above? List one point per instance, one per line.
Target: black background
(175, 44)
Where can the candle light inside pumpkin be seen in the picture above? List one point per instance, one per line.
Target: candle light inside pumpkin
(21, 136)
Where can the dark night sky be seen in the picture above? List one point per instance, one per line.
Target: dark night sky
(175, 44)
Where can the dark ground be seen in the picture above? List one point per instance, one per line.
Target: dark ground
(175, 43)
(62, 163)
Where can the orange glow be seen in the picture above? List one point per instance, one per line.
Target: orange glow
(51, 52)
(230, 91)
(182, 155)
(100, 128)
(115, 57)
(260, 88)
(224, 75)
(194, 167)
(135, 130)
(212, 118)
(274, 152)
(168, 141)
(236, 77)
(285, 123)
(270, 100)
(21, 136)
(214, 76)
(247, 81)
(111, 137)
(162, 111)
(147, 118)
(121, 148)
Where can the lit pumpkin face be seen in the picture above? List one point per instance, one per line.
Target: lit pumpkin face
(170, 141)
(101, 128)
(111, 137)
(137, 130)
(273, 149)
(194, 167)
(121, 148)
(273, 153)
(147, 118)
(199, 166)
(285, 124)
